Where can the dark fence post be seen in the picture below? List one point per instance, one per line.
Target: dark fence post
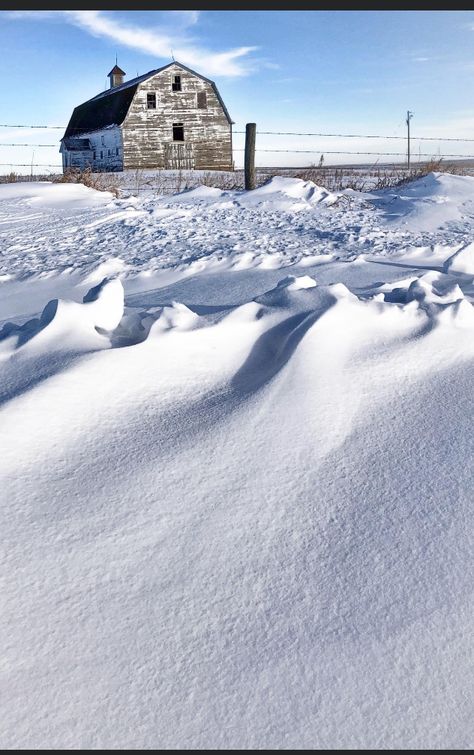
(250, 135)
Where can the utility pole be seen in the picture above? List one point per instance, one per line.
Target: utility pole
(409, 117)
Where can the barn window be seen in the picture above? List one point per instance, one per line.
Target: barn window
(178, 132)
(151, 101)
(116, 151)
(176, 85)
(101, 154)
(108, 153)
(94, 155)
(202, 100)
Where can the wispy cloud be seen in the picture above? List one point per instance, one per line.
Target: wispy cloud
(185, 17)
(158, 41)
(284, 80)
(271, 66)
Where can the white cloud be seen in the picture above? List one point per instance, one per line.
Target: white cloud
(158, 41)
(271, 66)
(19, 14)
(284, 80)
(185, 17)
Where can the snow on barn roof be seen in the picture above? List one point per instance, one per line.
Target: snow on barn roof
(112, 105)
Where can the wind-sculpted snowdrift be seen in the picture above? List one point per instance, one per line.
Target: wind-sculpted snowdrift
(58, 235)
(248, 529)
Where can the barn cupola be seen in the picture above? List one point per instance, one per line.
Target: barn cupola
(116, 76)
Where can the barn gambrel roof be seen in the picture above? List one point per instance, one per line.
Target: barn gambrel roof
(111, 106)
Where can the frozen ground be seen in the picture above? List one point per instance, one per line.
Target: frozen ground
(236, 467)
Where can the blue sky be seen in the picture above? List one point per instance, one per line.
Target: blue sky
(310, 71)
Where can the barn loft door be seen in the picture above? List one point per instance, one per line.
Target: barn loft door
(179, 155)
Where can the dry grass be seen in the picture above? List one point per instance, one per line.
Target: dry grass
(162, 182)
(98, 181)
(433, 166)
(10, 178)
(375, 178)
(224, 181)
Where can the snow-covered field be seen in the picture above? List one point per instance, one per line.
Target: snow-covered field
(237, 467)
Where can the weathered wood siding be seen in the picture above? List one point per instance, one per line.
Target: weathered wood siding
(74, 159)
(105, 144)
(147, 133)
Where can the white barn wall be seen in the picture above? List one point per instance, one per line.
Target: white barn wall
(146, 132)
(102, 141)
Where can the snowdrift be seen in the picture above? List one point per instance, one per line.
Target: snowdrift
(62, 235)
(427, 203)
(287, 194)
(236, 467)
(58, 196)
(242, 531)
(462, 261)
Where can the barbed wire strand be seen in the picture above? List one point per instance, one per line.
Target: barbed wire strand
(287, 133)
(365, 136)
(31, 165)
(344, 152)
(22, 125)
(12, 144)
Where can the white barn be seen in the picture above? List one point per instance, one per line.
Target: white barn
(171, 117)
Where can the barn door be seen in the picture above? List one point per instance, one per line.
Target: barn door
(179, 155)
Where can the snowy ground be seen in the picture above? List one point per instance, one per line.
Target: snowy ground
(237, 467)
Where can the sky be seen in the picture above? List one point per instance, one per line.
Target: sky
(334, 72)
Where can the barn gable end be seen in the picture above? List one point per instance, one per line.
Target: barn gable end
(148, 134)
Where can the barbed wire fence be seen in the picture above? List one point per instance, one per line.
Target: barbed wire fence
(394, 157)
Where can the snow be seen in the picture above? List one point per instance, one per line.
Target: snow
(56, 196)
(428, 202)
(462, 261)
(280, 193)
(237, 468)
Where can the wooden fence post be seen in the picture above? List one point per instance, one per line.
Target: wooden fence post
(250, 135)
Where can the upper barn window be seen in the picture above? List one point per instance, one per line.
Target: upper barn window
(151, 101)
(176, 85)
(178, 132)
(202, 100)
